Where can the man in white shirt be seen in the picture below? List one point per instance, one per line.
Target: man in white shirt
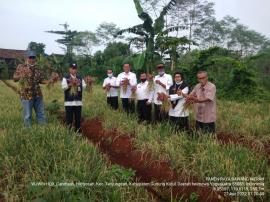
(162, 84)
(110, 85)
(73, 86)
(127, 81)
(179, 116)
(144, 99)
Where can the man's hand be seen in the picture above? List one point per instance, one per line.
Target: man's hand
(77, 82)
(161, 84)
(21, 72)
(133, 89)
(125, 82)
(179, 92)
(46, 81)
(108, 87)
(72, 82)
(193, 98)
(196, 100)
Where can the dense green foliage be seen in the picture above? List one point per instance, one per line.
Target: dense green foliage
(236, 57)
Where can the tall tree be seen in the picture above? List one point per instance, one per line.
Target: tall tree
(106, 32)
(39, 48)
(211, 33)
(70, 39)
(246, 41)
(88, 40)
(193, 14)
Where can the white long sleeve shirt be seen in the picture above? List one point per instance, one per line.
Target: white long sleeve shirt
(143, 93)
(132, 82)
(166, 79)
(64, 85)
(179, 111)
(113, 92)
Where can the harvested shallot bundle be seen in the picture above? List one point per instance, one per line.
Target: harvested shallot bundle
(125, 84)
(165, 107)
(74, 87)
(23, 82)
(133, 92)
(89, 83)
(150, 85)
(54, 79)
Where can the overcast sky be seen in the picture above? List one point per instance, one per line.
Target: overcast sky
(23, 21)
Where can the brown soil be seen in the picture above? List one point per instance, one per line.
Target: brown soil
(119, 148)
(264, 149)
(2, 199)
(223, 138)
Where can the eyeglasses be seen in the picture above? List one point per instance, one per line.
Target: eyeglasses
(201, 78)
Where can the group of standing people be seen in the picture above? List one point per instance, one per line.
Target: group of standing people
(163, 88)
(30, 77)
(140, 97)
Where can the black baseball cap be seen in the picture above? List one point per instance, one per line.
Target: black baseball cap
(31, 53)
(160, 66)
(73, 65)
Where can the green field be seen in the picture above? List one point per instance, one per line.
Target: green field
(52, 154)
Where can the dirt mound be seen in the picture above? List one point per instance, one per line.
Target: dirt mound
(264, 149)
(119, 148)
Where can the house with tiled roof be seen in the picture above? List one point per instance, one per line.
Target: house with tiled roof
(12, 58)
(12, 54)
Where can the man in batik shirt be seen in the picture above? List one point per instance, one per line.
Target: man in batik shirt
(29, 78)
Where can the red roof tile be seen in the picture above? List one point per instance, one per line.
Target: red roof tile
(12, 54)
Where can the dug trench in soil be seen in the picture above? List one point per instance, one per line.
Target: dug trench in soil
(264, 149)
(119, 148)
(2, 199)
(61, 116)
(223, 138)
(147, 168)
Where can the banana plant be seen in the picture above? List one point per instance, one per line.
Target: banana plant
(150, 30)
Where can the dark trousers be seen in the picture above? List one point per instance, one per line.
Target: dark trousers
(113, 102)
(128, 105)
(159, 115)
(74, 111)
(206, 127)
(144, 111)
(180, 123)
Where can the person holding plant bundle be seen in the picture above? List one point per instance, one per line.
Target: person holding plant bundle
(178, 115)
(162, 84)
(29, 77)
(204, 97)
(73, 86)
(110, 86)
(144, 101)
(127, 81)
